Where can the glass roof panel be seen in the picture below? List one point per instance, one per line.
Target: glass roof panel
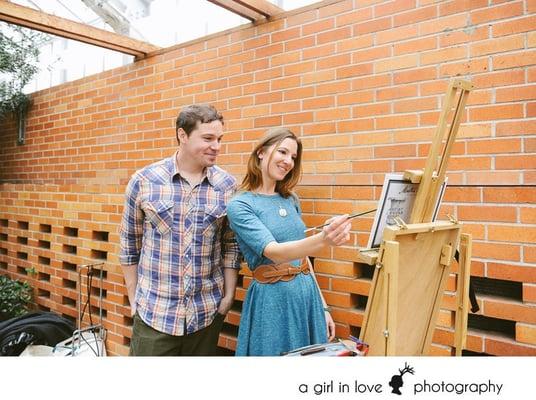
(162, 23)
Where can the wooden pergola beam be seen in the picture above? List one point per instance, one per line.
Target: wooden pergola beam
(236, 8)
(263, 7)
(33, 19)
(253, 10)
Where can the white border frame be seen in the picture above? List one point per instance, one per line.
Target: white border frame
(391, 183)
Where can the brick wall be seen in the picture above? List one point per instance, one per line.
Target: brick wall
(362, 82)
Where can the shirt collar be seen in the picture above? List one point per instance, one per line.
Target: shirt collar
(209, 173)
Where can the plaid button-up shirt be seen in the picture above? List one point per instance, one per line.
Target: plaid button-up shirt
(180, 241)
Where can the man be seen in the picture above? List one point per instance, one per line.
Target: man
(179, 257)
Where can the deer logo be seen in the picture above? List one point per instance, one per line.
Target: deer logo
(396, 381)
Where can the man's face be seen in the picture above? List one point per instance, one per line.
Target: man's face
(204, 143)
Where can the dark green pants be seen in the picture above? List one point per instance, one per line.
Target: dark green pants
(147, 341)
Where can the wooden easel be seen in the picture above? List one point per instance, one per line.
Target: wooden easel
(412, 264)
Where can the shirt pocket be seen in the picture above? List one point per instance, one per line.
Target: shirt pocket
(213, 218)
(160, 215)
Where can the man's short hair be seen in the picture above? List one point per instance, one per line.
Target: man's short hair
(191, 115)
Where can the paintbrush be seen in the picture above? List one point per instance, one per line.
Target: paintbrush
(349, 217)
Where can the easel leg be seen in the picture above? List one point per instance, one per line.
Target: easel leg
(462, 295)
(391, 285)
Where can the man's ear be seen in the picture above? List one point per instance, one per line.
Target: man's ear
(181, 135)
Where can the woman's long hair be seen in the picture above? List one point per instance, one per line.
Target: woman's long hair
(253, 179)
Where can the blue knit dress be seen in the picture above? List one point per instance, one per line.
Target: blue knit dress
(282, 316)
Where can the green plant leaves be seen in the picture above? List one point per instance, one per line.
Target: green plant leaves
(19, 57)
(15, 297)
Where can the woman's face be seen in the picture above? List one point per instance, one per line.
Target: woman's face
(282, 159)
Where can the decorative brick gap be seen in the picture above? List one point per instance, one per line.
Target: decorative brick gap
(42, 276)
(95, 312)
(22, 240)
(69, 249)
(237, 305)
(3, 251)
(240, 281)
(469, 353)
(68, 301)
(4, 222)
(498, 287)
(95, 291)
(229, 330)
(99, 255)
(41, 307)
(68, 266)
(67, 283)
(24, 225)
(3, 237)
(44, 244)
(367, 271)
(45, 228)
(43, 293)
(100, 236)
(501, 327)
(355, 331)
(43, 260)
(3, 265)
(21, 255)
(70, 231)
(128, 321)
(359, 301)
(21, 270)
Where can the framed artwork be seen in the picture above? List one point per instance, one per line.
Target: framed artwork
(396, 200)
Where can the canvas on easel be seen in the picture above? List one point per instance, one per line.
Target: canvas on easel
(396, 200)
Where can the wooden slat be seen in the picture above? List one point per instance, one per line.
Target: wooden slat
(239, 9)
(462, 293)
(33, 19)
(263, 7)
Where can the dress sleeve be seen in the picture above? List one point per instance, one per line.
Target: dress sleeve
(248, 227)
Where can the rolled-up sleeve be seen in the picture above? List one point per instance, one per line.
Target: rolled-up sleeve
(231, 251)
(131, 230)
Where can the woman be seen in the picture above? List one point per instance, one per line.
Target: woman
(284, 308)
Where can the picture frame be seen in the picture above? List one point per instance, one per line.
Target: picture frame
(396, 200)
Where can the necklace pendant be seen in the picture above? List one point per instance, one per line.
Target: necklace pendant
(282, 212)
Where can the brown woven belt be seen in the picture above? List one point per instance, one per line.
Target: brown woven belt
(272, 273)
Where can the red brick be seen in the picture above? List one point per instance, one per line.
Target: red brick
(496, 251)
(513, 60)
(457, 6)
(494, 13)
(510, 310)
(507, 348)
(507, 111)
(509, 195)
(519, 273)
(529, 293)
(517, 25)
(517, 93)
(418, 15)
(486, 213)
(526, 333)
